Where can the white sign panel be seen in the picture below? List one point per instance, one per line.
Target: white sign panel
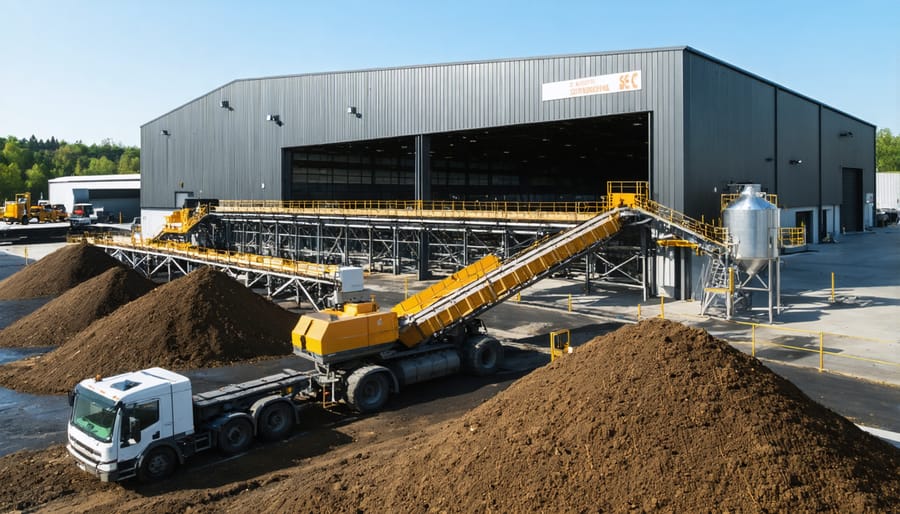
(599, 85)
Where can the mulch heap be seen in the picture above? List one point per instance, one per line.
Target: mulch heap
(204, 319)
(68, 314)
(57, 272)
(653, 417)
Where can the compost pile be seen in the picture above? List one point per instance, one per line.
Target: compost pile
(656, 416)
(63, 317)
(57, 272)
(201, 320)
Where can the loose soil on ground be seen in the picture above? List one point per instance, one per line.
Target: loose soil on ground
(57, 272)
(653, 417)
(65, 316)
(204, 319)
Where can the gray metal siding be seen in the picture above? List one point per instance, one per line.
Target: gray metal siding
(798, 139)
(839, 152)
(230, 154)
(729, 133)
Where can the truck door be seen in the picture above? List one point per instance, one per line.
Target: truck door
(144, 423)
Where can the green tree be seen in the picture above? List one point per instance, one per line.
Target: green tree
(10, 180)
(15, 153)
(887, 150)
(36, 182)
(130, 161)
(66, 158)
(101, 166)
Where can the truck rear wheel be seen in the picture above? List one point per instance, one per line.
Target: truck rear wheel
(275, 421)
(235, 436)
(368, 388)
(160, 463)
(482, 356)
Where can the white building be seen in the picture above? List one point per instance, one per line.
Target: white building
(117, 196)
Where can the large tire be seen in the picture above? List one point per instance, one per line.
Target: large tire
(368, 389)
(159, 464)
(275, 421)
(235, 436)
(482, 356)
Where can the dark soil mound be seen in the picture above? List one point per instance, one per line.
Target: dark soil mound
(204, 319)
(656, 416)
(63, 317)
(33, 477)
(57, 272)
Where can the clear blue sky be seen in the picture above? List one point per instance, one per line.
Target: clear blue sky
(93, 70)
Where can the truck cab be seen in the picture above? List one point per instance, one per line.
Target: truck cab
(82, 215)
(126, 425)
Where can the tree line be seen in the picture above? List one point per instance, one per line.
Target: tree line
(27, 164)
(887, 150)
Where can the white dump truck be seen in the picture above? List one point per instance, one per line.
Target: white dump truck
(146, 423)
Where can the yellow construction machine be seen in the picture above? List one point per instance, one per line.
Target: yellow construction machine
(18, 210)
(363, 354)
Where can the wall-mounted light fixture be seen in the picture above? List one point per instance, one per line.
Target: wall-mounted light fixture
(225, 105)
(795, 161)
(352, 111)
(164, 132)
(769, 159)
(846, 133)
(274, 117)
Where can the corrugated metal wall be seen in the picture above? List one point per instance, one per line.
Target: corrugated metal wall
(236, 153)
(741, 128)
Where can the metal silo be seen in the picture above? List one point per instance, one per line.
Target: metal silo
(753, 225)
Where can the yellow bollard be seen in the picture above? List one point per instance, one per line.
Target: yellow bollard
(821, 351)
(832, 287)
(26, 256)
(405, 287)
(519, 297)
(753, 340)
(639, 312)
(662, 307)
(570, 303)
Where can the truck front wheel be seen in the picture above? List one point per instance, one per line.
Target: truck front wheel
(275, 421)
(160, 463)
(235, 436)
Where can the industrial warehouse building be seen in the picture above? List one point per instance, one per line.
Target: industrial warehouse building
(534, 129)
(117, 197)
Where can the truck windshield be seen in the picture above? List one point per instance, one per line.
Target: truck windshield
(94, 415)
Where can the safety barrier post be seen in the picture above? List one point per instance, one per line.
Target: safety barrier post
(26, 256)
(405, 288)
(821, 351)
(662, 307)
(753, 340)
(832, 287)
(639, 312)
(519, 297)
(570, 303)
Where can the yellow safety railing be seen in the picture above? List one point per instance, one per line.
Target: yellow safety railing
(182, 220)
(559, 343)
(793, 236)
(211, 255)
(810, 341)
(419, 208)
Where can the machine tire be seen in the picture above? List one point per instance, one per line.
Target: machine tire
(159, 464)
(368, 389)
(235, 436)
(275, 421)
(482, 356)
(25, 220)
